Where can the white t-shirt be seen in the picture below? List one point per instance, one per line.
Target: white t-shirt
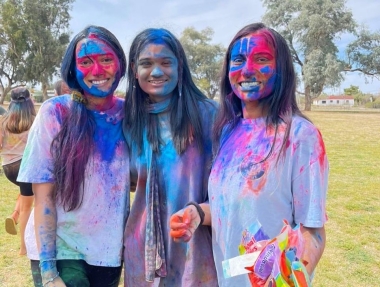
(94, 231)
(246, 187)
(30, 239)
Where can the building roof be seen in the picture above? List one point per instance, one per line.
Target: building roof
(342, 97)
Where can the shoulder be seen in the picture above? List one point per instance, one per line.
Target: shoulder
(208, 108)
(301, 127)
(56, 103)
(305, 133)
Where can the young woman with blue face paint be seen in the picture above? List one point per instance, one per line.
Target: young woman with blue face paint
(168, 128)
(270, 163)
(82, 193)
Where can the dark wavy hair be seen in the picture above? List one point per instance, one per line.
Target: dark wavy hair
(185, 122)
(21, 112)
(72, 146)
(280, 105)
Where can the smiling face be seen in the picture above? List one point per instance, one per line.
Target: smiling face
(252, 71)
(97, 67)
(157, 71)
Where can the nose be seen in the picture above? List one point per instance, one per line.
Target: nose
(156, 72)
(97, 69)
(248, 69)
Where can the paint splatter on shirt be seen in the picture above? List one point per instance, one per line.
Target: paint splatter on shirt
(181, 179)
(93, 232)
(247, 186)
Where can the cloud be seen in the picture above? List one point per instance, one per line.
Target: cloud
(126, 18)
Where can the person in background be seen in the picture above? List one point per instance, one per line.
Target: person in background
(167, 125)
(61, 88)
(14, 129)
(270, 162)
(81, 184)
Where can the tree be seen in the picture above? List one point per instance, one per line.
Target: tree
(310, 28)
(205, 59)
(33, 38)
(48, 36)
(364, 53)
(12, 47)
(356, 93)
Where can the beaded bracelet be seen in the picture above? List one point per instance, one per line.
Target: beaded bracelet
(51, 279)
(199, 209)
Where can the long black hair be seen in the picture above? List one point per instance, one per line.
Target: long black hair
(280, 105)
(185, 119)
(72, 146)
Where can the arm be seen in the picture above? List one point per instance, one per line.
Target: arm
(184, 222)
(315, 240)
(45, 221)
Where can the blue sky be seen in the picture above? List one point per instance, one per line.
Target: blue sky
(126, 18)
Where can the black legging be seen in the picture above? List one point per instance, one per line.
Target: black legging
(11, 172)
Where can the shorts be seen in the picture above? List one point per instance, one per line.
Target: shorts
(11, 172)
(78, 273)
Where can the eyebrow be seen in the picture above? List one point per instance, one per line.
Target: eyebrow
(149, 58)
(100, 55)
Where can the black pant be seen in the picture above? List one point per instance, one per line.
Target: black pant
(77, 273)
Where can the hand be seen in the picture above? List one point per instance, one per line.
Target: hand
(184, 223)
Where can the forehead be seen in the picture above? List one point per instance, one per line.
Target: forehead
(253, 43)
(156, 50)
(92, 46)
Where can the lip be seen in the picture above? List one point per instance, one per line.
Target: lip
(249, 85)
(99, 82)
(157, 82)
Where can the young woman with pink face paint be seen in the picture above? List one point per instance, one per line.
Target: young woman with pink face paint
(270, 163)
(75, 158)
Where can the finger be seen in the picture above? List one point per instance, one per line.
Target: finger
(177, 233)
(175, 219)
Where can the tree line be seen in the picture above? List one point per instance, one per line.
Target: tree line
(35, 33)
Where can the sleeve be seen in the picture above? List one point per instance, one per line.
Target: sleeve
(309, 177)
(37, 164)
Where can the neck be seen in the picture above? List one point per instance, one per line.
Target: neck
(100, 104)
(252, 110)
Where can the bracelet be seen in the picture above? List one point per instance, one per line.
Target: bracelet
(199, 209)
(51, 279)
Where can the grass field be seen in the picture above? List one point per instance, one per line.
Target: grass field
(352, 254)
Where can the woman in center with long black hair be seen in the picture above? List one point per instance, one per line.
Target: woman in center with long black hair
(168, 128)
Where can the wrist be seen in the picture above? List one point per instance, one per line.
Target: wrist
(48, 269)
(199, 209)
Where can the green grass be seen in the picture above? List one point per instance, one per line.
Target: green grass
(352, 254)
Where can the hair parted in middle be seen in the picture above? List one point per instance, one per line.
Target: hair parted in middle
(185, 119)
(281, 105)
(72, 146)
(68, 67)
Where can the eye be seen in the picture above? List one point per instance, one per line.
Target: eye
(85, 62)
(107, 60)
(145, 64)
(237, 60)
(262, 59)
(167, 63)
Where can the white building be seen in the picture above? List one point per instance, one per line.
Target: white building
(335, 101)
